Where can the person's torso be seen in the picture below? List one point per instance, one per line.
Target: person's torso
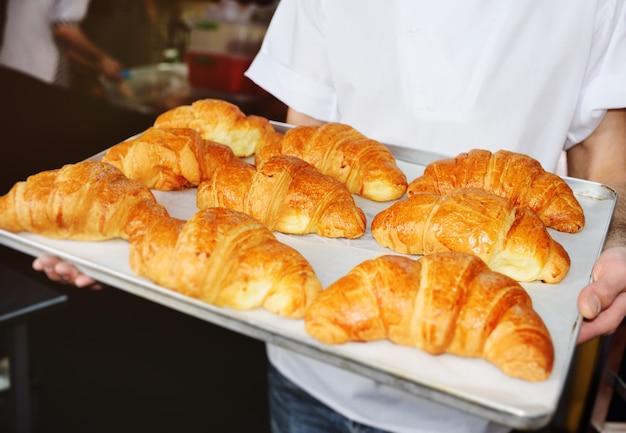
(475, 74)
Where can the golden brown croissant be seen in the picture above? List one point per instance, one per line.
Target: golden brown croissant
(442, 303)
(223, 122)
(287, 195)
(364, 165)
(225, 258)
(515, 176)
(169, 158)
(510, 239)
(84, 201)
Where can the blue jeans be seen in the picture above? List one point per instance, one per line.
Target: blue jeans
(293, 410)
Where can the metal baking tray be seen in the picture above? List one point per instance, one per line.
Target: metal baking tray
(472, 385)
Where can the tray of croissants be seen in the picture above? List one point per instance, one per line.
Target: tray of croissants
(454, 278)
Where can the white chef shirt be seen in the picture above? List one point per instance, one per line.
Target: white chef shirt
(449, 76)
(532, 76)
(28, 44)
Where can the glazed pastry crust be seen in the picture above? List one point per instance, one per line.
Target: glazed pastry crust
(510, 239)
(87, 201)
(168, 159)
(515, 176)
(222, 122)
(364, 165)
(225, 258)
(442, 303)
(287, 195)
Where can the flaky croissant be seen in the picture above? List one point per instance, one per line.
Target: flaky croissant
(225, 258)
(364, 165)
(287, 195)
(88, 201)
(510, 239)
(515, 176)
(169, 159)
(442, 303)
(223, 122)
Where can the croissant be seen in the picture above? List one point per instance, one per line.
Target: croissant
(510, 239)
(287, 195)
(225, 258)
(364, 165)
(515, 176)
(169, 159)
(88, 201)
(442, 303)
(223, 122)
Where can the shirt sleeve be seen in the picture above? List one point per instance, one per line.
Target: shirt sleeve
(292, 63)
(69, 11)
(604, 86)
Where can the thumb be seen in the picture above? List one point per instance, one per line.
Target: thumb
(589, 303)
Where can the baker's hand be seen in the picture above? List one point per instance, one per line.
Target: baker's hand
(63, 272)
(603, 302)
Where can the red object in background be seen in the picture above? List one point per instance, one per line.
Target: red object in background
(220, 72)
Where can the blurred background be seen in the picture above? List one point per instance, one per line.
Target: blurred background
(177, 51)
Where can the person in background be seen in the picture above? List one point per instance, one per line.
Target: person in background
(40, 36)
(534, 77)
(144, 31)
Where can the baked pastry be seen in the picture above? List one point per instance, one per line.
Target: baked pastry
(442, 303)
(225, 258)
(223, 122)
(169, 159)
(515, 176)
(364, 165)
(88, 201)
(510, 239)
(287, 195)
